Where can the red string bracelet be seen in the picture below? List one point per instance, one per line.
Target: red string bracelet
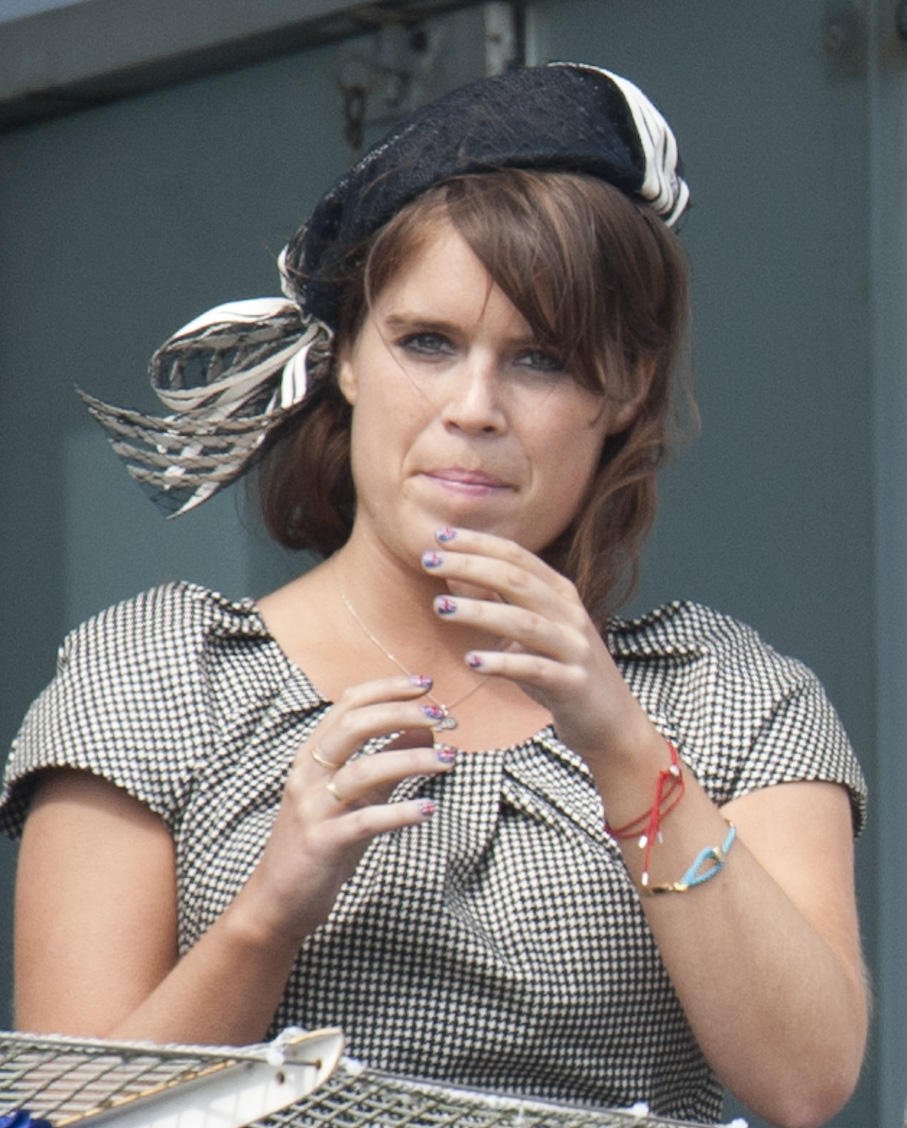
(669, 789)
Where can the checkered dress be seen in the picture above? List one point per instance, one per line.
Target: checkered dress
(501, 944)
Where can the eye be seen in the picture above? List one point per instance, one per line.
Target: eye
(425, 344)
(542, 361)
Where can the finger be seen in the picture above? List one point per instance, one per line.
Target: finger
(371, 779)
(364, 711)
(357, 826)
(457, 541)
(521, 628)
(398, 687)
(545, 679)
(342, 733)
(510, 580)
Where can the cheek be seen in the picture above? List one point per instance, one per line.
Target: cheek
(575, 440)
(576, 467)
(383, 433)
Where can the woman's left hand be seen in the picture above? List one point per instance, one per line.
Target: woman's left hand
(779, 926)
(550, 646)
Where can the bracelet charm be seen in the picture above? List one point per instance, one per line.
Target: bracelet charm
(707, 864)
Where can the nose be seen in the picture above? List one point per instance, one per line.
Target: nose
(473, 399)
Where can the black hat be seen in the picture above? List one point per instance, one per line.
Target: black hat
(562, 116)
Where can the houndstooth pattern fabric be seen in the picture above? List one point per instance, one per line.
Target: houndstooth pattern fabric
(501, 944)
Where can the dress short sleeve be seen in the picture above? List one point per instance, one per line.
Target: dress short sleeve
(742, 715)
(130, 701)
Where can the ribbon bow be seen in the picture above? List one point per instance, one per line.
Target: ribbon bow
(229, 378)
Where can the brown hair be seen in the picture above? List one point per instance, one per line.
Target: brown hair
(600, 280)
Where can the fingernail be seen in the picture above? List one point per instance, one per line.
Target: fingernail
(432, 559)
(446, 534)
(433, 712)
(444, 605)
(446, 754)
(474, 661)
(422, 681)
(428, 808)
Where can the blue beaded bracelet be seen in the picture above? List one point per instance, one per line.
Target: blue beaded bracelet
(707, 864)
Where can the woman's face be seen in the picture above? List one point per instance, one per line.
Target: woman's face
(459, 417)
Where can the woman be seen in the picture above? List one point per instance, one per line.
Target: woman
(238, 816)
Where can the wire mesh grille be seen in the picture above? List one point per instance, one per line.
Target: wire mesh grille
(366, 1099)
(66, 1081)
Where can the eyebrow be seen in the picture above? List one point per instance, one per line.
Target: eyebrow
(417, 321)
(425, 323)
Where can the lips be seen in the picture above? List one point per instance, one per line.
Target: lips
(475, 482)
(467, 477)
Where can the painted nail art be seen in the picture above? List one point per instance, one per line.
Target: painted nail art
(444, 605)
(422, 681)
(428, 807)
(446, 535)
(474, 661)
(446, 754)
(433, 712)
(432, 559)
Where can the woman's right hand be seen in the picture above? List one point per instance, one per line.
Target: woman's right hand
(332, 808)
(96, 919)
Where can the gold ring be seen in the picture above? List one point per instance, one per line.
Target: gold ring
(332, 790)
(319, 759)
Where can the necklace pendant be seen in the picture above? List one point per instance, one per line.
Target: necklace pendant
(446, 721)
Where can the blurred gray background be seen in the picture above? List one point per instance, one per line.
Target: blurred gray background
(155, 155)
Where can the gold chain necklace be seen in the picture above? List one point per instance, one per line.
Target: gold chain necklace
(446, 721)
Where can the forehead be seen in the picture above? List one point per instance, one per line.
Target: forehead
(442, 278)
